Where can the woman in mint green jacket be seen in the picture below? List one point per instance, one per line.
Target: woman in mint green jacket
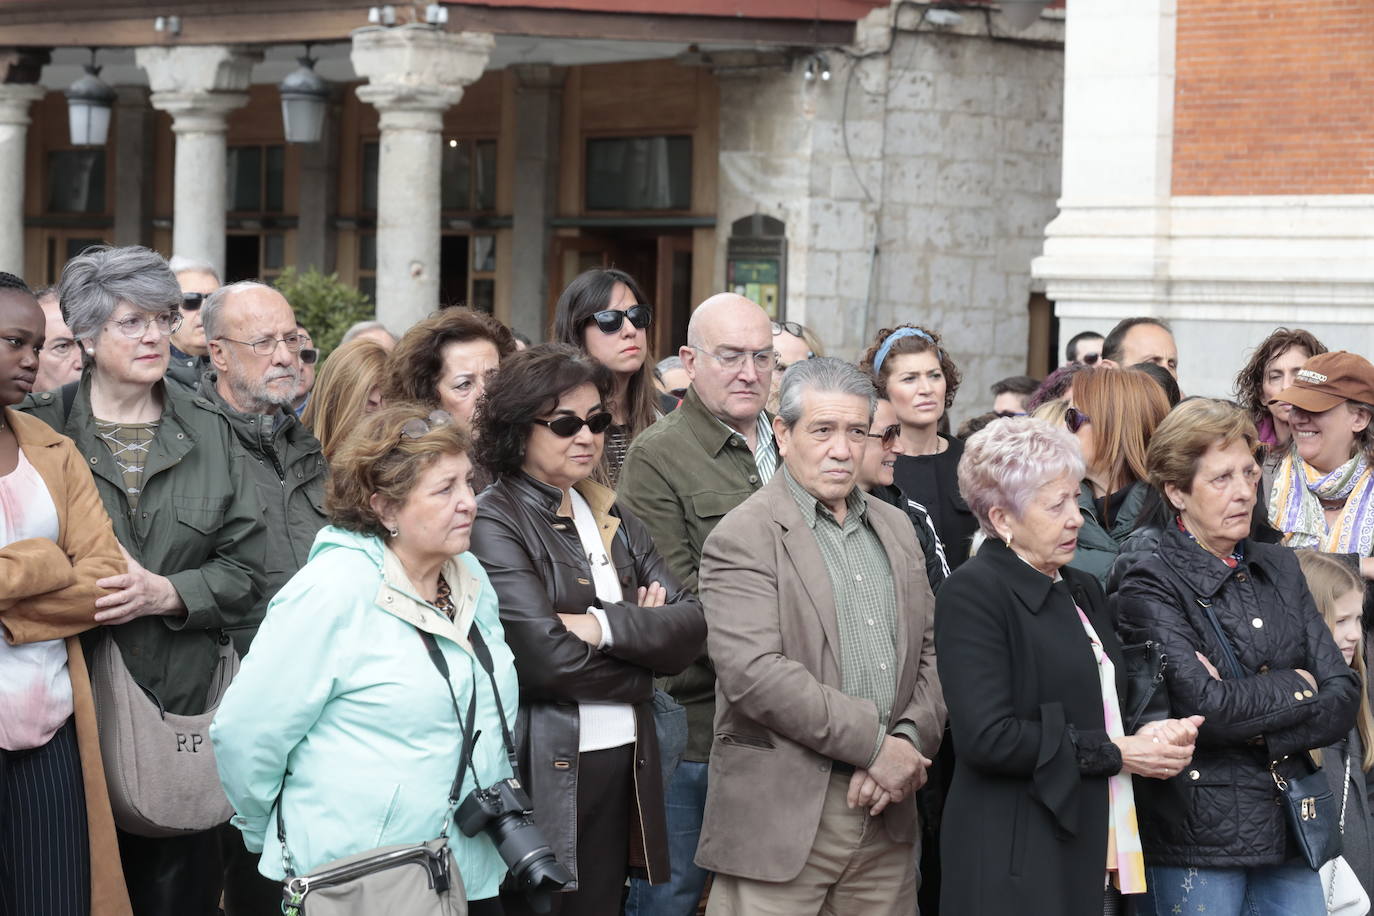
(338, 709)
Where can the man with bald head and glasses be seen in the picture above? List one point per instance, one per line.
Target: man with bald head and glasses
(680, 477)
(254, 379)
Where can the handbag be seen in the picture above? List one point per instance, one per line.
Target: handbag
(1147, 699)
(159, 766)
(408, 879)
(1308, 805)
(1345, 896)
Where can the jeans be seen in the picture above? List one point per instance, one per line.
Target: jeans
(1270, 890)
(683, 807)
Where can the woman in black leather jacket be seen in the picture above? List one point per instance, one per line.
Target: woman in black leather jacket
(1229, 846)
(591, 613)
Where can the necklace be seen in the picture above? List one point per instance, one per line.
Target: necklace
(443, 598)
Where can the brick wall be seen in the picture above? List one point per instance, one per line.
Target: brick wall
(1274, 98)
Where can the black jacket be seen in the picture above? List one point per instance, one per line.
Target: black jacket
(1273, 625)
(1025, 825)
(538, 568)
(937, 570)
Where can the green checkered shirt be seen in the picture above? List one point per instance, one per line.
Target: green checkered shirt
(865, 598)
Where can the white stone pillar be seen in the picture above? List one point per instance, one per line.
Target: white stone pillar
(14, 128)
(414, 73)
(198, 85)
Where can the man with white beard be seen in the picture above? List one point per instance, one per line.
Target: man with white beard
(254, 376)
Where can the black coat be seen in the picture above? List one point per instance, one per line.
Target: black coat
(1025, 826)
(538, 568)
(1274, 628)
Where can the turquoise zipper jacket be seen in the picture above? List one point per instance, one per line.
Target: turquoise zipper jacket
(340, 699)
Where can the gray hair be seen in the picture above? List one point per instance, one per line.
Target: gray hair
(826, 374)
(668, 364)
(210, 316)
(97, 280)
(180, 264)
(362, 327)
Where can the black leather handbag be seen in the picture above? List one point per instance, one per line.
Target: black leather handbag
(1147, 697)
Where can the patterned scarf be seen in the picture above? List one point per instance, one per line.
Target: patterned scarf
(1125, 858)
(1295, 505)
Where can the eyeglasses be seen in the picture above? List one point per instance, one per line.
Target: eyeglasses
(309, 355)
(888, 435)
(135, 326)
(790, 327)
(416, 428)
(1076, 419)
(266, 346)
(733, 360)
(567, 427)
(191, 301)
(610, 321)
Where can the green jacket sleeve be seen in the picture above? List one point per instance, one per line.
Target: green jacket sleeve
(651, 497)
(223, 591)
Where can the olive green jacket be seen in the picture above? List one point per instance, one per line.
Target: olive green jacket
(197, 523)
(284, 461)
(680, 477)
(1098, 544)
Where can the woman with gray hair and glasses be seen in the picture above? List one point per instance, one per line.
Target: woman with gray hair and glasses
(170, 475)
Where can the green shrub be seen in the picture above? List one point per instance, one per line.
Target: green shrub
(326, 305)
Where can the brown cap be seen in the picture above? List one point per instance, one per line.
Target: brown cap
(1329, 379)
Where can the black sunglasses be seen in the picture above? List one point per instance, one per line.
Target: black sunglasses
(678, 393)
(1076, 419)
(610, 321)
(308, 356)
(1090, 359)
(888, 435)
(567, 427)
(191, 301)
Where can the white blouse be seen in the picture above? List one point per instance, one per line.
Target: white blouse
(35, 689)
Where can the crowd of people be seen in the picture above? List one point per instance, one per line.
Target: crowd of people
(748, 624)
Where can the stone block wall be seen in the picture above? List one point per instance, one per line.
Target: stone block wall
(933, 210)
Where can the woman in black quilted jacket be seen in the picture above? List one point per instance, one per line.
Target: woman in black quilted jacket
(1220, 845)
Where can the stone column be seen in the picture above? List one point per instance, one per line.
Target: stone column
(14, 129)
(198, 85)
(319, 176)
(414, 73)
(538, 119)
(132, 139)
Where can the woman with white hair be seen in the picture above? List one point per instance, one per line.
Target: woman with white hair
(170, 474)
(1041, 810)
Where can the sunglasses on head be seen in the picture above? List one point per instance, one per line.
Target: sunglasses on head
(191, 301)
(610, 321)
(888, 435)
(790, 327)
(1090, 359)
(567, 427)
(1076, 419)
(416, 428)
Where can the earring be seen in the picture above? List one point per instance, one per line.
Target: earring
(1007, 539)
(394, 531)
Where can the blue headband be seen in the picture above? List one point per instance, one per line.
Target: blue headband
(892, 338)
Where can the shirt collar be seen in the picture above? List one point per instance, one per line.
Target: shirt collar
(810, 506)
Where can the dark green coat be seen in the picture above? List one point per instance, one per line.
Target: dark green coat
(681, 476)
(197, 523)
(1098, 544)
(286, 466)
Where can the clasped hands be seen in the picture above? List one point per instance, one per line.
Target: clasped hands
(898, 771)
(1159, 749)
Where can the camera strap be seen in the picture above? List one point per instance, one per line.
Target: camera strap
(467, 728)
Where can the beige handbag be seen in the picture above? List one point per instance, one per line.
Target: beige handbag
(413, 879)
(160, 767)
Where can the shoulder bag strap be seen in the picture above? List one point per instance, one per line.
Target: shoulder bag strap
(1226, 648)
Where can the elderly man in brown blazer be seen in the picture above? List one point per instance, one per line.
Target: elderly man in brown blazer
(828, 707)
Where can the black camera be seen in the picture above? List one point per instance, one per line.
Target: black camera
(505, 812)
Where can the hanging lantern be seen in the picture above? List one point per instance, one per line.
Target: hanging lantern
(89, 102)
(304, 99)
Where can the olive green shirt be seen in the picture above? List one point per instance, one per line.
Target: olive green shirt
(865, 598)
